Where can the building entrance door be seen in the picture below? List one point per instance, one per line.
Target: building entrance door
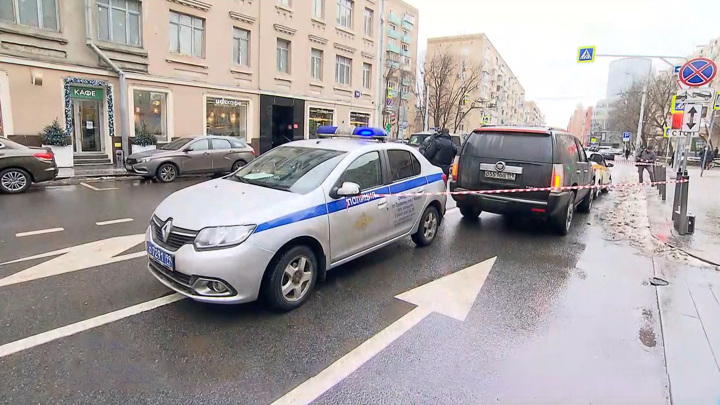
(282, 125)
(88, 128)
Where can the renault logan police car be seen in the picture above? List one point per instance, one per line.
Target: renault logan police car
(273, 228)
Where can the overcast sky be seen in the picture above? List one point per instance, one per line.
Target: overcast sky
(539, 39)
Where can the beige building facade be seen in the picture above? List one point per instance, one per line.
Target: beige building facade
(266, 71)
(500, 96)
(400, 45)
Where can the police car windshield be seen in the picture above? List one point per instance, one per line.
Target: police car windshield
(290, 168)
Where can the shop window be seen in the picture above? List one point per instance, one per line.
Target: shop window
(151, 110)
(227, 117)
(359, 119)
(34, 13)
(119, 21)
(187, 34)
(241, 47)
(319, 117)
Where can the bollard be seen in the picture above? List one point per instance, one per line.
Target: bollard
(663, 190)
(682, 219)
(676, 200)
(119, 159)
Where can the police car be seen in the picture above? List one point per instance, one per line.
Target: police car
(275, 227)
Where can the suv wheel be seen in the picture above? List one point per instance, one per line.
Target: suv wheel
(586, 204)
(291, 279)
(469, 211)
(427, 230)
(561, 222)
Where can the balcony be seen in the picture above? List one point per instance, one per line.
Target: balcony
(391, 93)
(406, 81)
(406, 26)
(394, 19)
(406, 39)
(406, 96)
(409, 19)
(393, 64)
(393, 48)
(393, 34)
(405, 52)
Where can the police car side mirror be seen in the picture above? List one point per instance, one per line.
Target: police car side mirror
(348, 189)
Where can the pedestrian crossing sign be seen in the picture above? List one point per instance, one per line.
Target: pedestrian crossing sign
(586, 54)
(485, 120)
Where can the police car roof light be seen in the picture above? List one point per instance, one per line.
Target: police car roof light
(352, 132)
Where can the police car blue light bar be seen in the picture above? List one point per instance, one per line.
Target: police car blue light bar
(352, 132)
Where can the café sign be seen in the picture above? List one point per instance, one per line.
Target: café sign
(229, 102)
(86, 93)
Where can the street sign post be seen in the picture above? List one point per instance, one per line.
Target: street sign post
(697, 72)
(691, 118)
(586, 54)
(626, 136)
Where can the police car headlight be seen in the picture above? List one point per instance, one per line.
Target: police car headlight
(223, 236)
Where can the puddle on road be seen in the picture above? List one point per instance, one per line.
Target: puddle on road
(647, 333)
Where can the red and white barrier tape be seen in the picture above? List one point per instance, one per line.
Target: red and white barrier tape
(634, 163)
(533, 189)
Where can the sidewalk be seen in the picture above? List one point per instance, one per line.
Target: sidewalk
(704, 203)
(70, 172)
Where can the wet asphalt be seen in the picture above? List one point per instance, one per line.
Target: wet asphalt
(559, 320)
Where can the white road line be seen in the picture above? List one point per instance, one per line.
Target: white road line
(113, 221)
(97, 189)
(39, 232)
(49, 336)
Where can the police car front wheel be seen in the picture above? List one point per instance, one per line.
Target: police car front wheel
(291, 279)
(427, 230)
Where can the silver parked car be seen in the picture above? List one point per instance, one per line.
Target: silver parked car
(275, 227)
(204, 154)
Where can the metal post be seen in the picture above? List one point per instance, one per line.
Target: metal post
(682, 218)
(427, 105)
(380, 94)
(638, 138)
(663, 190)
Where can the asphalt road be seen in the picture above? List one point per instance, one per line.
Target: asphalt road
(559, 319)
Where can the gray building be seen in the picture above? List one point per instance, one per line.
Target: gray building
(623, 72)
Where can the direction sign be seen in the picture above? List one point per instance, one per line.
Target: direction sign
(695, 95)
(697, 72)
(717, 101)
(586, 54)
(626, 136)
(691, 118)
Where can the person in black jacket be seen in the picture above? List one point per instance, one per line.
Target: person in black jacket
(439, 150)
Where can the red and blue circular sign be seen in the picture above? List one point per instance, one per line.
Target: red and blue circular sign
(697, 72)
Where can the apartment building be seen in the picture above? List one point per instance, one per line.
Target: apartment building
(577, 122)
(401, 54)
(500, 96)
(533, 115)
(266, 71)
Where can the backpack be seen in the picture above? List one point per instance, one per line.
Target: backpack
(429, 148)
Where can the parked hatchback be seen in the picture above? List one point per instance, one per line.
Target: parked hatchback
(498, 158)
(204, 154)
(22, 165)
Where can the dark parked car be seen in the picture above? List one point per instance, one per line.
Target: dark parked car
(22, 165)
(204, 154)
(518, 158)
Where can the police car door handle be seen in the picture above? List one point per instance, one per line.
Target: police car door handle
(382, 203)
(577, 171)
(421, 190)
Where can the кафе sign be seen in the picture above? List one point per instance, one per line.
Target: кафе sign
(86, 93)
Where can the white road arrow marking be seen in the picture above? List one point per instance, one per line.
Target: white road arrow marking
(452, 295)
(76, 258)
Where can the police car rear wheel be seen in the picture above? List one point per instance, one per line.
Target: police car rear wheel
(292, 279)
(427, 231)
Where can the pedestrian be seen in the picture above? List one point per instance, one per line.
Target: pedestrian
(627, 153)
(439, 150)
(645, 161)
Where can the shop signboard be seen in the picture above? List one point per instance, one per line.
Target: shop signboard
(86, 93)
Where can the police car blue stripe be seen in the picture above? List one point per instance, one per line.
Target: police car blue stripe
(407, 185)
(364, 198)
(294, 217)
(434, 177)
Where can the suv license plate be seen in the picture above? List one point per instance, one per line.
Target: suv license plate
(500, 175)
(156, 254)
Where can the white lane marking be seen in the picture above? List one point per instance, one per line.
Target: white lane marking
(76, 258)
(40, 232)
(45, 337)
(452, 295)
(113, 221)
(97, 189)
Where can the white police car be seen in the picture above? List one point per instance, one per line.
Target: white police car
(275, 227)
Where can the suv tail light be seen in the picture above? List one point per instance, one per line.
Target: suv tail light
(453, 171)
(44, 156)
(558, 176)
(252, 150)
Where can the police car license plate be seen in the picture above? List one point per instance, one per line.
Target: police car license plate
(161, 257)
(500, 175)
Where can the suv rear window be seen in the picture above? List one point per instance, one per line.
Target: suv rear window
(510, 146)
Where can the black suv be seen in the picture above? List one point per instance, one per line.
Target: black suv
(495, 158)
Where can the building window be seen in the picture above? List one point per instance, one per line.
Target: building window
(187, 34)
(344, 13)
(34, 13)
(319, 117)
(241, 47)
(283, 56)
(359, 119)
(392, 26)
(406, 61)
(318, 9)
(367, 75)
(226, 117)
(151, 112)
(316, 58)
(343, 70)
(368, 22)
(285, 3)
(119, 21)
(405, 47)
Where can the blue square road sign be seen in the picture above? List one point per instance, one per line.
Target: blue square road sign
(586, 54)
